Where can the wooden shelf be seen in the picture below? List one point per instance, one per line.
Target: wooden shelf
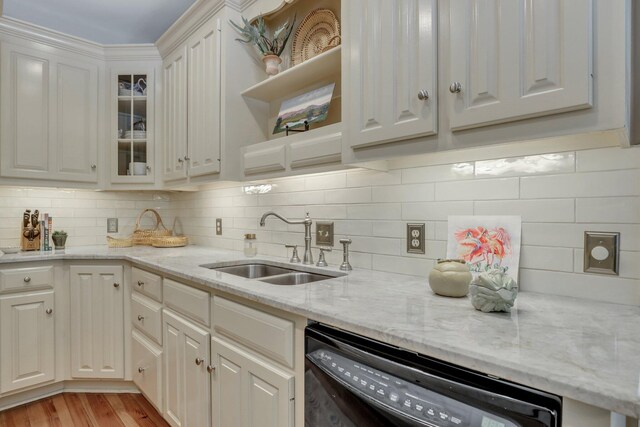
(298, 77)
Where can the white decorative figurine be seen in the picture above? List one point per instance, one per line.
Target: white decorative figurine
(493, 291)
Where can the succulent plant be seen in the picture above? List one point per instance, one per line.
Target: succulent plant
(59, 233)
(259, 35)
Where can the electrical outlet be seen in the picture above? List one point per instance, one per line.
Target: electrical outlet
(324, 233)
(601, 252)
(112, 225)
(218, 226)
(415, 238)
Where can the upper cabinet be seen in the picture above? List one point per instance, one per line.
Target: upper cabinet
(511, 60)
(174, 119)
(49, 114)
(391, 70)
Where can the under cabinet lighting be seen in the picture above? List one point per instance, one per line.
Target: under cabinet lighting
(257, 189)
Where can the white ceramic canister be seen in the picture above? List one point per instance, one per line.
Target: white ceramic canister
(450, 278)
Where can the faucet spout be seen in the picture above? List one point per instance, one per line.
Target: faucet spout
(308, 256)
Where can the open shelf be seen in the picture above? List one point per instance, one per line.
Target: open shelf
(296, 78)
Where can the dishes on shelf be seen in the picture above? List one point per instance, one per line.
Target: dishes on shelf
(137, 89)
(318, 32)
(136, 134)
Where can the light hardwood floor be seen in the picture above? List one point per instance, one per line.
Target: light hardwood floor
(84, 409)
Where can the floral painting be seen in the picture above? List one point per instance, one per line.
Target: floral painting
(486, 242)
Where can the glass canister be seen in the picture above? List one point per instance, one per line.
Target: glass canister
(250, 245)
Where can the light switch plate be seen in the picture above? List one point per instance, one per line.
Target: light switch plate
(112, 225)
(324, 233)
(218, 226)
(601, 252)
(415, 238)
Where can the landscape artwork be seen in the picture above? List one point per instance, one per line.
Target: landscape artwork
(486, 242)
(311, 107)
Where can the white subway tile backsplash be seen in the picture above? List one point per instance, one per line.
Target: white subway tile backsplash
(482, 189)
(528, 165)
(590, 184)
(372, 178)
(540, 210)
(374, 211)
(348, 195)
(572, 235)
(608, 209)
(546, 258)
(608, 159)
(404, 193)
(438, 173)
(326, 181)
(629, 266)
(403, 265)
(435, 211)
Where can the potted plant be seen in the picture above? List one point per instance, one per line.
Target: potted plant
(269, 45)
(59, 238)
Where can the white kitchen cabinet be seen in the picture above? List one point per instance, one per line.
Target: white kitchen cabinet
(390, 70)
(49, 114)
(27, 340)
(174, 120)
(97, 321)
(147, 368)
(247, 390)
(510, 60)
(186, 378)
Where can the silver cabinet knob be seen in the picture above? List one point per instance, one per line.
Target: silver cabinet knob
(141, 369)
(187, 158)
(140, 318)
(116, 285)
(199, 361)
(211, 369)
(49, 310)
(180, 160)
(149, 168)
(423, 95)
(27, 279)
(456, 87)
(140, 283)
(93, 167)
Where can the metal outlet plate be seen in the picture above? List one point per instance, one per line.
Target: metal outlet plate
(112, 225)
(415, 238)
(324, 233)
(218, 226)
(601, 252)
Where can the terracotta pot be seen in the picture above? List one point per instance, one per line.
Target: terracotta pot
(450, 278)
(272, 64)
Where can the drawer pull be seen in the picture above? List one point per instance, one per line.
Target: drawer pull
(49, 310)
(211, 369)
(27, 279)
(141, 370)
(140, 283)
(116, 285)
(199, 361)
(140, 318)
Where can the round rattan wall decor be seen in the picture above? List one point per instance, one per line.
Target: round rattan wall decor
(318, 32)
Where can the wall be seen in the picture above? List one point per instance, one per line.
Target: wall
(559, 196)
(82, 213)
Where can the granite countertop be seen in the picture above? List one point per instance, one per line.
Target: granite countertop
(581, 349)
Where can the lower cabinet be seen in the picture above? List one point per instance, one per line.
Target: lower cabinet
(27, 337)
(147, 368)
(248, 391)
(186, 374)
(97, 321)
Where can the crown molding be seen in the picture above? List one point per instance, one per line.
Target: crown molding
(132, 52)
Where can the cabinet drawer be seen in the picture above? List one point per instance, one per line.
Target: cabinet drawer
(265, 160)
(146, 315)
(26, 279)
(147, 283)
(147, 368)
(318, 151)
(189, 301)
(266, 333)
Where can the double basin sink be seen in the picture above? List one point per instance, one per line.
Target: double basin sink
(273, 274)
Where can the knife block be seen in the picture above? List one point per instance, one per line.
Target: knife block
(30, 244)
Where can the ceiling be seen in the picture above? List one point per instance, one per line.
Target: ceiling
(101, 21)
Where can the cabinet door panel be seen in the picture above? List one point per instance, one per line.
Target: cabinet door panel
(97, 322)
(175, 114)
(27, 336)
(204, 101)
(174, 383)
(25, 107)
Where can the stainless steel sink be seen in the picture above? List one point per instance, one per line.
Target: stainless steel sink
(253, 271)
(296, 278)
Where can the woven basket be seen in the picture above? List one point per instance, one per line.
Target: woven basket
(144, 237)
(169, 242)
(317, 32)
(114, 242)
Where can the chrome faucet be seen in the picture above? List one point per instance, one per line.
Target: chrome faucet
(308, 256)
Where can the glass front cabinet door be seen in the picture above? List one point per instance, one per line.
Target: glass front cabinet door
(132, 128)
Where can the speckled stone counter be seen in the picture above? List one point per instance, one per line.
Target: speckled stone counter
(581, 349)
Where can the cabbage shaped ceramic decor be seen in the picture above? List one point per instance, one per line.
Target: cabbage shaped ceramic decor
(450, 278)
(493, 291)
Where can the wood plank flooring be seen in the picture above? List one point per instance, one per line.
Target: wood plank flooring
(84, 409)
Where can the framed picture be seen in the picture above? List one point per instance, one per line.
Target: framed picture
(486, 242)
(311, 107)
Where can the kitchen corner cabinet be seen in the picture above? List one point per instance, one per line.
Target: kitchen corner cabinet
(513, 60)
(390, 70)
(191, 80)
(27, 340)
(49, 114)
(186, 377)
(247, 391)
(97, 321)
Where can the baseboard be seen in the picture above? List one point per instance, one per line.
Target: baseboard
(75, 386)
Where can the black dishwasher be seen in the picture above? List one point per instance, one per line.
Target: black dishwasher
(353, 381)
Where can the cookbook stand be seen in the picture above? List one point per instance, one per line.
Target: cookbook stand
(306, 128)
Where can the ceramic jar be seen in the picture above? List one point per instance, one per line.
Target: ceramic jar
(272, 64)
(450, 278)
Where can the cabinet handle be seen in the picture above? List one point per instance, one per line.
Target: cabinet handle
(199, 361)
(27, 279)
(187, 158)
(140, 283)
(423, 95)
(211, 369)
(140, 318)
(49, 310)
(93, 167)
(456, 87)
(141, 370)
(180, 160)
(116, 285)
